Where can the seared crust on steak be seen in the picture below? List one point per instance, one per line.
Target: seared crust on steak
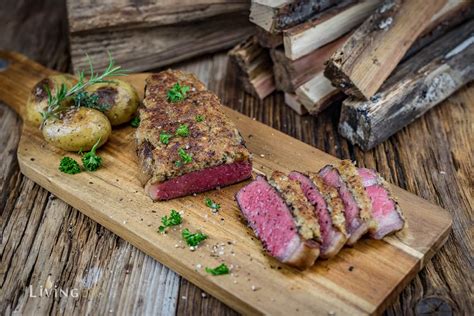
(211, 142)
(349, 174)
(334, 203)
(305, 219)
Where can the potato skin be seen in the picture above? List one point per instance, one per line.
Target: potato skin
(38, 98)
(77, 129)
(120, 96)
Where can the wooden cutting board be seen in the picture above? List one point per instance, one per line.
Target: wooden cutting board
(360, 280)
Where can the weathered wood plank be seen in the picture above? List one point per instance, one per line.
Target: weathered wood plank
(88, 15)
(146, 48)
(326, 27)
(362, 64)
(254, 67)
(275, 16)
(418, 84)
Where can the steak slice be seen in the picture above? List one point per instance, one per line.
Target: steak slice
(282, 219)
(212, 154)
(329, 209)
(385, 210)
(357, 205)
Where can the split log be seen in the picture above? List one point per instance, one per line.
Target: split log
(88, 15)
(292, 101)
(361, 66)
(275, 16)
(138, 49)
(267, 39)
(254, 67)
(290, 74)
(317, 94)
(325, 27)
(416, 86)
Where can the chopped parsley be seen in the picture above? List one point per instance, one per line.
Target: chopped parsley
(182, 130)
(184, 156)
(213, 205)
(165, 138)
(173, 220)
(177, 93)
(199, 118)
(135, 122)
(90, 160)
(69, 166)
(219, 270)
(90, 100)
(193, 239)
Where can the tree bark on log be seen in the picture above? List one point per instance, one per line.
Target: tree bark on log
(361, 66)
(417, 85)
(254, 67)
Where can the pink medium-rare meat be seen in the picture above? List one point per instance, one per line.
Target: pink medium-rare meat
(208, 153)
(282, 219)
(385, 210)
(357, 205)
(330, 211)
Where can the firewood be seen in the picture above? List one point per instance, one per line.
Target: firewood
(325, 27)
(317, 94)
(275, 16)
(292, 101)
(148, 47)
(361, 66)
(416, 86)
(289, 74)
(267, 39)
(254, 67)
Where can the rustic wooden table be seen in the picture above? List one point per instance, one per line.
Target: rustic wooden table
(432, 158)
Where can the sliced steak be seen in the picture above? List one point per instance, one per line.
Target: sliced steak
(282, 219)
(385, 210)
(213, 154)
(357, 205)
(329, 209)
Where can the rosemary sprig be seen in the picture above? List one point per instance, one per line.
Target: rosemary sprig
(55, 105)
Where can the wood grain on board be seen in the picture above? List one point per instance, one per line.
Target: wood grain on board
(114, 198)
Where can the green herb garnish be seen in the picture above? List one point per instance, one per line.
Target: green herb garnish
(193, 239)
(173, 220)
(177, 93)
(165, 138)
(219, 270)
(185, 157)
(135, 122)
(55, 102)
(69, 166)
(199, 118)
(213, 205)
(90, 160)
(89, 100)
(182, 130)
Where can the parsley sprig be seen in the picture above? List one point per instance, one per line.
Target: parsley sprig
(211, 204)
(219, 270)
(177, 93)
(193, 239)
(184, 158)
(69, 166)
(173, 220)
(165, 138)
(182, 130)
(90, 160)
(55, 102)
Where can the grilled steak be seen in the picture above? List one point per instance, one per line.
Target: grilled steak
(329, 209)
(282, 219)
(385, 210)
(211, 155)
(357, 205)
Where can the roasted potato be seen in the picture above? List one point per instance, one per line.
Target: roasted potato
(77, 129)
(120, 98)
(38, 98)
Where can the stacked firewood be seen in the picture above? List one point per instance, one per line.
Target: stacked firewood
(389, 60)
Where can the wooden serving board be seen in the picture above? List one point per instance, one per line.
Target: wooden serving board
(360, 280)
